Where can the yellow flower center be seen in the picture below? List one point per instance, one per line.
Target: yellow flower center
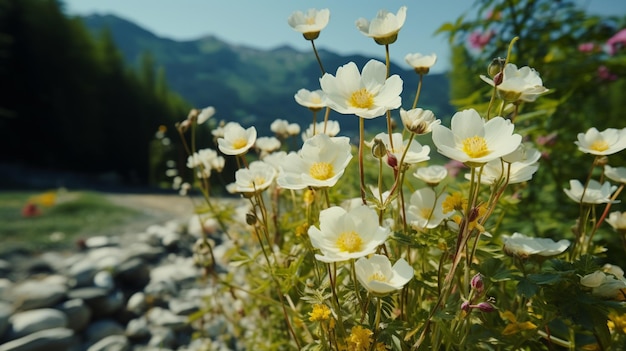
(599, 145)
(239, 143)
(426, 213)
(475, 147)
(361, 99)
(378, 277)
(258, 180)
(310, 20)
(321, 170)
(349, 242)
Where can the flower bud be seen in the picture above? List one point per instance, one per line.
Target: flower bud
(496, 66)
(392, 161)
(379, 149)
(465, 306)
(477, 283)
(473, 214)
(485, 307)
(251, 218)
(497, 79)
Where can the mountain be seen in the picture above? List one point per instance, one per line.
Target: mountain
(249, 85)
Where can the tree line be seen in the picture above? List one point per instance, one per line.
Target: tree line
(69, 101)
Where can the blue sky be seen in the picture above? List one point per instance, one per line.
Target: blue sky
(263, 24)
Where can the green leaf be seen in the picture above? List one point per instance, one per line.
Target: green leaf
(446, 27)
(544, 278)
(526, 288)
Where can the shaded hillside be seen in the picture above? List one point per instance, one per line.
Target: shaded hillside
(247, 84)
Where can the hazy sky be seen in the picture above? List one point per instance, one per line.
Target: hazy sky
(263, 23)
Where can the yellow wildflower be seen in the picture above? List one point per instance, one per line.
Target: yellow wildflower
(454, 201)
(302, 229)
(46, 199)
(380, 347)
(320, 312)
(617, 322)
(514, 326)
(308, 197)
(360, 339)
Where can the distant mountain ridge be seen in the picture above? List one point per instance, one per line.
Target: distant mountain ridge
(249, 85)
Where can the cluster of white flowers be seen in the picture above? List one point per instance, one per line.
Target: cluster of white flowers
(359, 232)
(605, 143)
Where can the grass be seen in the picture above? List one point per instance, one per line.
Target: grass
(64, 217)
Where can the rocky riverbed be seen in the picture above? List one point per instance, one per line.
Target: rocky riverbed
(135, 291)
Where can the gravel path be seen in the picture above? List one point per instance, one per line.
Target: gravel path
(157, 205)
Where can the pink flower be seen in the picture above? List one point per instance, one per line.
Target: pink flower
(617, 41)
(547, 140)
(454, 167)
(587, 47)
(605, 74)
(478, 40)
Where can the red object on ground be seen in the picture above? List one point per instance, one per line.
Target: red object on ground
(30, 210)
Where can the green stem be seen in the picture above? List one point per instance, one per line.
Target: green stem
(317, 56)
(361, 146)
(419, 90)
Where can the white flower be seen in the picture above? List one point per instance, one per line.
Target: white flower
(367, 95)
(418, 121)
(425, 210)
(311, 23)
(218, 132)
(332, 129)
(522, 246)
(347, 235)
(604, 285)
(236, 139)
(275, 159)
(416, 153)
(520, 170)
(616, 174)
(379, 278)
(280, 127)
(524, 153)
(204, 161)
(603, 143)
(617, 220)
(320, 163)
(205, 114)
(267, 144)
(593, 280)
(257, 177)
(617, 271)
(313, 100)
(420, 63)
(595, 193)
(385, 27)
(517, 172)
(473, 141)
(518, 84)
(432, 175)
(293, 129)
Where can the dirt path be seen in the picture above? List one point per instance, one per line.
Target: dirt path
(157, 205)
(156, 208)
